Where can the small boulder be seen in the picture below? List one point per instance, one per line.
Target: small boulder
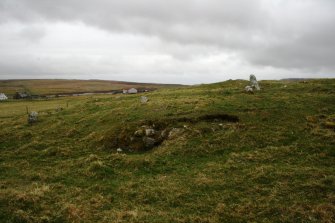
(144, 99)
(150, 132)
(119, 150)
(32, 117)
(249, 89)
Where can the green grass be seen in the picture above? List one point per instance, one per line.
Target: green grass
(275, 165)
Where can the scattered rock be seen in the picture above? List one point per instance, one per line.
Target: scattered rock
(254, 83)
(144, 99)
(249, 89)
(32, 117)
(119, 150)
(149, 132)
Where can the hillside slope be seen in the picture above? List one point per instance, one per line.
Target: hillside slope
(273, 162)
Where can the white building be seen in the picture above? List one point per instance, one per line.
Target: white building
(132, 91)
(3, 97)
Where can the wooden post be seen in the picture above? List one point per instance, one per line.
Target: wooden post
(27, 110)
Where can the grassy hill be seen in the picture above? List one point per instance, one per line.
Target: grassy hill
(47, 87)
(229, 156)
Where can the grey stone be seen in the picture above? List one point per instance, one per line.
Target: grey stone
(119, 150)
(32, 117)
(150, 132)
(144, 99)
(248, 89)
(254, 83)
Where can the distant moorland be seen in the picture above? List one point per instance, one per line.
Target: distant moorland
(47, 87)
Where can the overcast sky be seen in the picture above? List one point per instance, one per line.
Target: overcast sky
(174, 41)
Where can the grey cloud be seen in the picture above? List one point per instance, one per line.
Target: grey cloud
(284, 34)
(32, 34)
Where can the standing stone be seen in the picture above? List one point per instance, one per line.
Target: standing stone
(32, 117)
(144, 99)
(254, 83)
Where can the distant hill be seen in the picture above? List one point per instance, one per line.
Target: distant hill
(297, 79)
(61, 86)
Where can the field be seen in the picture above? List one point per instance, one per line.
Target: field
(49, 87)
(229, 156)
